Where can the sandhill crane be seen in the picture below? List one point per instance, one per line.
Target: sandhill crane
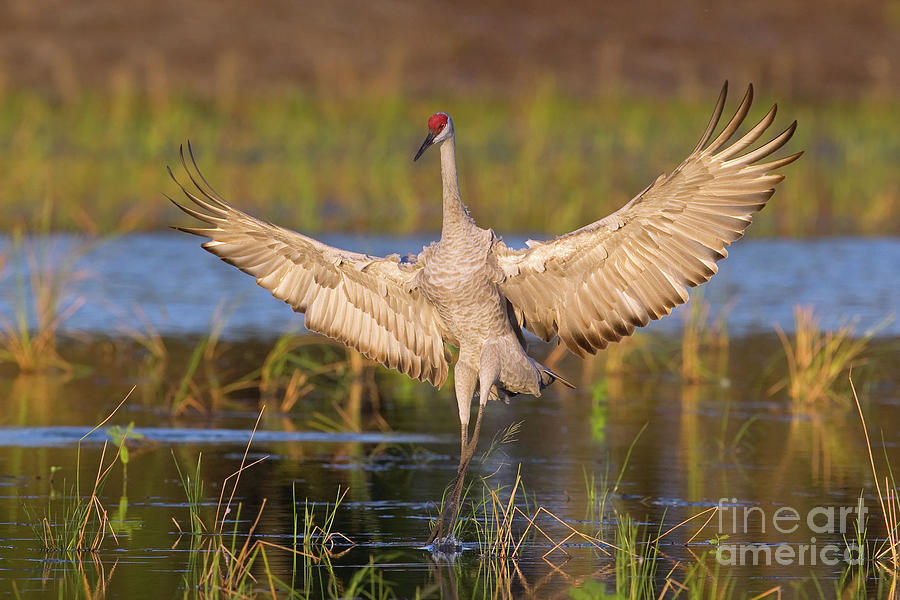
(589, 287)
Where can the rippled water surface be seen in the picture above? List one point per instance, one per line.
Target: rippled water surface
(732, 439)
(179, 287)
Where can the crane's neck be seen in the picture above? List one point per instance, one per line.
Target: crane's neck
(456, 216)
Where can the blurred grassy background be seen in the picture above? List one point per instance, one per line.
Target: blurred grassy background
(308, 113)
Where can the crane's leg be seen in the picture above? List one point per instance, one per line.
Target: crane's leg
(487, 376)
(465, 378)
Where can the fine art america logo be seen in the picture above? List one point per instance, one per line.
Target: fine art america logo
(828, 521)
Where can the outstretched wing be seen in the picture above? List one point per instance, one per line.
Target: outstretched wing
(595, 285)
(365, 302)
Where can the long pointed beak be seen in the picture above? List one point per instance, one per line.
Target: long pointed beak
(429, 140)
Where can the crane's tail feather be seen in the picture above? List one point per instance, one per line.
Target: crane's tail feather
(498, 392)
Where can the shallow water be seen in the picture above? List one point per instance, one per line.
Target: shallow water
(179, 287)
(728, 440)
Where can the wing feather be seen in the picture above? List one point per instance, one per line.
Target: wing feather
(595, 285)
(368, 303)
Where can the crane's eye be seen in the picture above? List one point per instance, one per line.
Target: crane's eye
(437, 122)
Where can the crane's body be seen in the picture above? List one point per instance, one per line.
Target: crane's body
(461, 279)
(589, 287)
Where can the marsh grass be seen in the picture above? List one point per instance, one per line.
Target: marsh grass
(74, 523)
(463, 526)
(209, 393)
(28, 338)
(294, 367)
(637, 553)
(148, 338)
(599, 493)
(282, 362)
(888, 500)
(368, 583)
(285, 374)
(697, 581)
(221, 560)
(189, 393)
(505, 519)
(503, 526)
(293, 157)
(701, 338)
(320, 540)
(288, 375)
(637, 560)
(857, 583)
(494, 519)
(816, 359)
(76, 579)
(225, 562)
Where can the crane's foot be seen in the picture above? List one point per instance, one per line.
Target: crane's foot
(442, 534)
(446, 548)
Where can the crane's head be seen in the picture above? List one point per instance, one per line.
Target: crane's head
(440, 129)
